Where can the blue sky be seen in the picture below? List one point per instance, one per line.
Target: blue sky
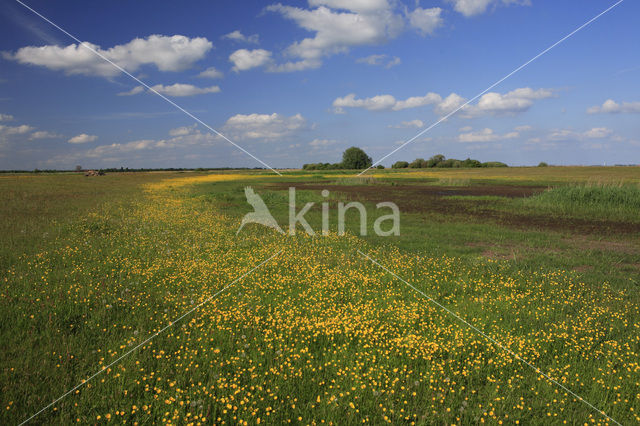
(298, 82)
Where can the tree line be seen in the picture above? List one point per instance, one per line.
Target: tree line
(441, 161)
(355, 158)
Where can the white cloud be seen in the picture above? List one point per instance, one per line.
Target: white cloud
(375, 103)
(418, 101)
(426, 20)
(406, 124)
(568, 134)
(597, 133)
(134, 91)
(338, 25)
(15, 130)
(321, 143)
(264, 126)
(82, 138)
(449, 104)
(524, 128)
(167, 53)
(239, 37)
(183, 131)
(301, 65)
(612, 107)
(211, 72)
(476, 7)
(518, 100)
(384, 102)
(361, 6)
(380, 60)
(486, 135)
(42, 134)
(111, 152)
(244, 59)
(362, 23)
(179, 89)
(6, 117)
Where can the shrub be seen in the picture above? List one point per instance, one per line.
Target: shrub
(400, 165)
(494, 164)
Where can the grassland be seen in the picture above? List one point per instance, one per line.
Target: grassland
(92, 267)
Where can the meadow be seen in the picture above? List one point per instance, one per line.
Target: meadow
(140, 277)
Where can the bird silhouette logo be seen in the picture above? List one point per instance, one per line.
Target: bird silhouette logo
(261, 213)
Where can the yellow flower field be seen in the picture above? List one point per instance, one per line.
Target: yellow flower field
(317, 335)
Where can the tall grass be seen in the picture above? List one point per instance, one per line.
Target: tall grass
(358, 180)
(607, 200)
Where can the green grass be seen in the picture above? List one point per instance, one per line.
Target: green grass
(603, 200)
(122, 259)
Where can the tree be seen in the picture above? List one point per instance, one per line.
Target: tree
(469, 162)
(78, 168)
(380, 167)
(435, 160)
(355, 158)
(418, 163)
(543, 164)
(400, 165)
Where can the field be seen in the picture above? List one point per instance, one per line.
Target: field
(513, 293)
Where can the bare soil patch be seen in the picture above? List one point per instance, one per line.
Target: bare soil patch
(433, 199)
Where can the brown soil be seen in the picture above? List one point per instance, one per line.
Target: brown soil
(432, 199)
(616, 246)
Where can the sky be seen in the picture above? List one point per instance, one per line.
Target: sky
(299, 82)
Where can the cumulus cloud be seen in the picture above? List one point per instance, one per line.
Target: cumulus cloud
(518, 100)
(167, 53)
(597, 133)
(134, 91)
(612, 107)
(15, 130)
(380, 60)
(361, 6)
(264, 126)
(82, 138)
(476, 7)
(211, 72)
(244, 59)
(179, 89)
(407, 124)
(239, 37)
(383, 102)
(42, 134)
(355, 23)
(568, 134)
(180, 139)
(183, 131)
(426, 20)
(486, 135)
(304, 64)
(6, 117)
(449, 104)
